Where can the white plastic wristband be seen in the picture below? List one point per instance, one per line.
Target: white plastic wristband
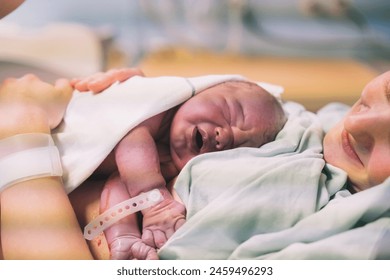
(121, 210)
(28, 156)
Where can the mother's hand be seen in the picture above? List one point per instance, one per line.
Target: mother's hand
(29, 105)
(102, 80)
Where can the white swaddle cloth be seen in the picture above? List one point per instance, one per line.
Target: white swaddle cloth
(95, 123)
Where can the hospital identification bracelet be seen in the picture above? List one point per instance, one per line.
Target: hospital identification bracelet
(121, 210)
(28, 156)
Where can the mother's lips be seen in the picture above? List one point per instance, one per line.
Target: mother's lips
(348, 147)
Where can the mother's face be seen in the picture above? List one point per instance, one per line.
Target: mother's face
(360, 143)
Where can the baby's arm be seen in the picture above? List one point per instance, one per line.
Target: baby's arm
(123, 237)
(139, 167)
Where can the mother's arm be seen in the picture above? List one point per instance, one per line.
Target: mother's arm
(37, 219)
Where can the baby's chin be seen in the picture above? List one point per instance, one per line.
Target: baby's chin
(179, 161)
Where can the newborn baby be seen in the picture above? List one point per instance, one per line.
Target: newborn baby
(227, 115)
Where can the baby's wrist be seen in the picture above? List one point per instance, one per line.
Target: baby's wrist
(166, 199)
(159, 205)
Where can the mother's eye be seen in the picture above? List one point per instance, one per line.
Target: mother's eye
(361, 106)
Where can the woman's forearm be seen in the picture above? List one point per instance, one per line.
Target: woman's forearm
(38, 222)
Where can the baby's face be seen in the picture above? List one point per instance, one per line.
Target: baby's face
(220, 118)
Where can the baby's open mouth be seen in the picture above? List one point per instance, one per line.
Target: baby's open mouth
(198, 139)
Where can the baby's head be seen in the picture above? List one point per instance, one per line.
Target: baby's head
(226, 116)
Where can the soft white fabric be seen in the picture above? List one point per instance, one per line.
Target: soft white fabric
(277, 202)
(95, 123)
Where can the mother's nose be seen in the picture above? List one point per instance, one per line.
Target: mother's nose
(364, 129)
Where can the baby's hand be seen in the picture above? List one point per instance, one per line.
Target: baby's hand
(131, 247)
(161, 221)
(124, 236)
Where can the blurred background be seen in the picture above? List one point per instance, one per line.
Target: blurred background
(319, 51)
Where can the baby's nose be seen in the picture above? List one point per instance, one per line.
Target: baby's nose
(222, 139)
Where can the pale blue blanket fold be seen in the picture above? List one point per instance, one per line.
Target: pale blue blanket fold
(279, 201)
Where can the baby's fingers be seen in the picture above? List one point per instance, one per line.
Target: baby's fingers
(147, 238)
(141, 251)
(152, 255)
(171, 230)
(155, 238)
(179, 224)
(159, 238)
